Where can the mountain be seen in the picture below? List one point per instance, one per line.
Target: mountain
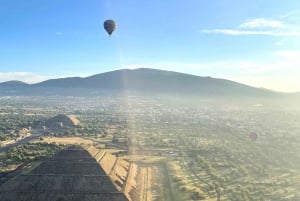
(13, 83)
(140, 80)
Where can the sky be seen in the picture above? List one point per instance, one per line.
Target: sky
(253, 42)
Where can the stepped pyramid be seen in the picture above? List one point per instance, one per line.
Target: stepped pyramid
(71, 174)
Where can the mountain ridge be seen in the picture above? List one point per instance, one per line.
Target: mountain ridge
(144, 80)
(13, 82)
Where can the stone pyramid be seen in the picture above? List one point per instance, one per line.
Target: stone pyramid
(72, 174)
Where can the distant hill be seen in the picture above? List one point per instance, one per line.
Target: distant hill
(140, 80)
(13, 83)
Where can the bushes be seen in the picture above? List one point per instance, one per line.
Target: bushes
(34, 151)
(197, 196)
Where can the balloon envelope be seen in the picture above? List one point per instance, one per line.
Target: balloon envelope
(110, 26)
(253, 136)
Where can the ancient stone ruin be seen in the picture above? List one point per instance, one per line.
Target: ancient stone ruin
(72, 174)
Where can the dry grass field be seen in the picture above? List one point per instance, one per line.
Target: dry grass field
(66, 140)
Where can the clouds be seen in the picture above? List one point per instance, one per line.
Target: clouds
(293, 15)
(261, 23)
(282, 84)
(22, 76)
(280, 74)
(291, 55)
(260, 27)
(237, 32)
(283, 62)
(279, 69)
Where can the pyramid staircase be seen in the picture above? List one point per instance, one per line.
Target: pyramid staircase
(72, 174)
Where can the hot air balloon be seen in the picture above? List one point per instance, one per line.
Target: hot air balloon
(253, 136)
(110, 26)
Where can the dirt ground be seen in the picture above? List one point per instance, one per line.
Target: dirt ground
(66, 140)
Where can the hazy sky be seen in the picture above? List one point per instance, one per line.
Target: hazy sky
(255, 42)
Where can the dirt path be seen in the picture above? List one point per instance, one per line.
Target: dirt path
(166, 173)
(146, 184)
